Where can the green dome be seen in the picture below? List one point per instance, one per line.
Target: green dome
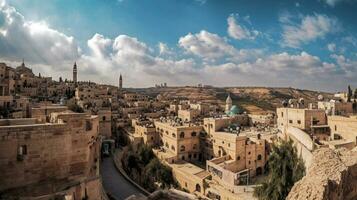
(234, 110)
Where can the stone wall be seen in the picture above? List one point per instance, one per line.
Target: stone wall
(332, 176)
(52, 152)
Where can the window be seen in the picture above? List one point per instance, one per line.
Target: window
(166, 132)
(238, 158)
(249, 153)
(182, 148)
(167, 145)
(299, 121)
(193, 134)
(248, 162)
(182, 135)
(229, 144)
(88, 126)
(173, 135)
(21, 152)
(335, 128)
(103, 118)
(173, 148)
(259, 157)
(290, 121)
(282, 114)
(194, 146)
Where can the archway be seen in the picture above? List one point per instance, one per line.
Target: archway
(198, 188)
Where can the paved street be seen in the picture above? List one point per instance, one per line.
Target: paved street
(114, 183)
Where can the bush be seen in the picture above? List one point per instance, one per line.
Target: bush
(75, 108)
(143, 167)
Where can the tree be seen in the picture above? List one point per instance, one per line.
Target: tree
(75, 107)
(159, 173)
(145, 154)
(349, 94)
(355, 94)
(285, 168)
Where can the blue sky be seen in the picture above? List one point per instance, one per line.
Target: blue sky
(302, 43)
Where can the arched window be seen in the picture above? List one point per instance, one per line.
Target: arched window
(182, 148)
(173, 135)
(259, 157)
(238, 158)
(167, 145)
(182, 135)
(193, 134)
(173, 148)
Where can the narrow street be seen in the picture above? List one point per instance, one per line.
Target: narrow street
(114, 183)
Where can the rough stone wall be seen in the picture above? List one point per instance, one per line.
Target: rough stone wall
(331, 176)
(54, 152)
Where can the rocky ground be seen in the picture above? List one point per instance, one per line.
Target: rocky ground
(332, 176)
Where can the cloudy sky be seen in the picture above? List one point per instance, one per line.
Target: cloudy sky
(308, 44)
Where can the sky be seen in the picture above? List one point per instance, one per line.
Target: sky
(307, 44)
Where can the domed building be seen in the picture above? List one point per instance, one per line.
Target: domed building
(233, 111)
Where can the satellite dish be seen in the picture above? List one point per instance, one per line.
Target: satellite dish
(285, 103)
(291, 101)
(301, 101)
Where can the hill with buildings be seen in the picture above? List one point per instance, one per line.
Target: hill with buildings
(251, 99)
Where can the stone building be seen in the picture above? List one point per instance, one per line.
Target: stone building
(179, 140)
(47, 159)
(343, 128)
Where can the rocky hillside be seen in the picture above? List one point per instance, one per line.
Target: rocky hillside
(250, 99)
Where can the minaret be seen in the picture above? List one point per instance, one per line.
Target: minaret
(75, 73)
(228, 103)
(120, 82)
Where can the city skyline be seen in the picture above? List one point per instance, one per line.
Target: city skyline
(299, 44)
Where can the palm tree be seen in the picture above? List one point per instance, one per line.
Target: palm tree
(285, 168)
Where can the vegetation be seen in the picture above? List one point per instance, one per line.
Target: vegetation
(5, 112)
(70, 93)
(285, 168)
(75, 107)
(145, 169)
(349, 94)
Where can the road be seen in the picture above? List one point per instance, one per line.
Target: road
(114, 183)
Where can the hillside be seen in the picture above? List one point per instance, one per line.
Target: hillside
(251, 99)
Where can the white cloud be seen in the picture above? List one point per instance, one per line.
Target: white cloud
(239, 31)
(331, 47)
(311, 28)
(34, 41)
(212, 47)
(332, 3)
(201, 1)
(164, 49)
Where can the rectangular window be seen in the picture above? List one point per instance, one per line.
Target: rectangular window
(290, 121)
(298, 121)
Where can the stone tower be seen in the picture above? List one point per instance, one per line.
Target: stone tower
(120, 82)
(75, 73)
(228, 103)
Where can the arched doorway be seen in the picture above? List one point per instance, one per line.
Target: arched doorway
(198, 188)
